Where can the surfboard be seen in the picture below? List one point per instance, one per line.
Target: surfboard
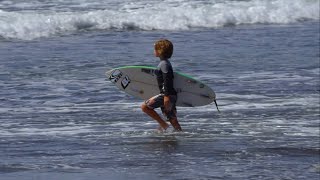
(141, 82)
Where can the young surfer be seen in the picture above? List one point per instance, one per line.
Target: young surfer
(167, 98)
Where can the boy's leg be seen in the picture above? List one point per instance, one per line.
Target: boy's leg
(154, 115)
(172, 114)
(149, 106)
(175, 124)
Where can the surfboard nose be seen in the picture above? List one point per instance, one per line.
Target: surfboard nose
(108, 73)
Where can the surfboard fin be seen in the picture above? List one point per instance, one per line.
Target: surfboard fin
(215, 101)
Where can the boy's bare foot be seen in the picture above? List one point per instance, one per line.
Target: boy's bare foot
(162, 129)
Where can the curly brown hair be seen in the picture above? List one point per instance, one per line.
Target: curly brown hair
(164, 47)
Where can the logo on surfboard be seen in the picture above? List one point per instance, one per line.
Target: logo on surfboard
(125, 82)
(115, 76)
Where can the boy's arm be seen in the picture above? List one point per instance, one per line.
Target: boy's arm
(167, 83)
(159, 80)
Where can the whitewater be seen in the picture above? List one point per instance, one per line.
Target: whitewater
(35, 19)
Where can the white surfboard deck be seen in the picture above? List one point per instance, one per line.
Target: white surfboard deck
(141, 82)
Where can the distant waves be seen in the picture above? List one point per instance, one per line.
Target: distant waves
(22, 21)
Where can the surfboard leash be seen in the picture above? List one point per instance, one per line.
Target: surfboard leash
(215, 101)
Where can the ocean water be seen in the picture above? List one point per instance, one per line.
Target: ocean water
(60, 118)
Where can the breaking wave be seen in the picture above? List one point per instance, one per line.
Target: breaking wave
(26, 23)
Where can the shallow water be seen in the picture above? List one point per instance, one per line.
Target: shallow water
(61, 119)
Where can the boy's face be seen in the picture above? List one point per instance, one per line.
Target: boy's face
(156, 53)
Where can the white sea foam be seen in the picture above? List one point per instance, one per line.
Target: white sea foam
(147, 15)
(70, 107)
(236, 102)
(72, 130)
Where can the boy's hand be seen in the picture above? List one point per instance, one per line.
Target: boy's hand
(166, 103)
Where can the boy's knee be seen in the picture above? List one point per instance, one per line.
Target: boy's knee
(144, 107)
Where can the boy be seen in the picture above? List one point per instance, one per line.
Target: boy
(168, 96)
